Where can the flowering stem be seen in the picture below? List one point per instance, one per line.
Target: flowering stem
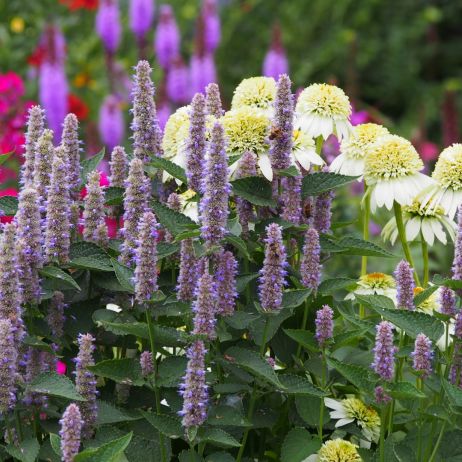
(366, 218)
(438, 442)
(419, 437)
(323, 384)
(402, 237)
(382, 432)
(425, 260)
(304, 322)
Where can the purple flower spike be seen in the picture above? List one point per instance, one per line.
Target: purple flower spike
(272, 275)
(93, 213)
(119, 167)
(8, 365)
(216, 187)
(292, 199)
(146, 363)
(310, 266)
(35, 364)
(141, 16)
(178, 82)
(457, 262)
(43, 162)
(167, 39)
(85, 383)
(226, 273)
(136, 198)
(35, 127)
(322, 214)
(71, 144)
(111, 122)
(458, 326)
(275, 62)
(384, 351)
(108, 24)
(194, 388)
(187, 278)
(324, 325)
(147, 135)
(196, 143)
(212, 26)
(213, 100)
(205, 307)
(281, 145)
(405, 286)
(422, 355)
(55, 317)
(71, 428)
(447, 301)
(381, 397)
(146, 258)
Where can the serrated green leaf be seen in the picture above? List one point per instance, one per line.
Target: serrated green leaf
(320, 182)
(448, 282)
(220, 457)
(329, 244)
(171, 371)
(165, 249)
(252, 362)
(405, 390)
(53, 384)
(241, 320)
(173, 169)
(346, 337)
(330, 286)
(35, 342)
(218, 437)
(308, 408)
(53, 272)
(55, 442)
(85, 249)
(238, 243)
(175, 222)
(257, 327)
(243, 280)
(107, 452)
(303, 337)
(124, 370)
(379, 301)
(94, 262)
(290, 171)
(26, 452)
(357, 375)
(114, 195)
(422, 296)
(8, 205)
(297, 385)
(294, 298)
(165, 424)
(355, 246)
(298, 445)
(453, 393)
(254, 189)
(124, 275)
(90, 164)
(226, 416)
(109, 414)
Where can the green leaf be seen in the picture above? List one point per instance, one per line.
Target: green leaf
(290, 171)
(124, 275)
(165, 249)
(294, 298)
(37, 343)
(85, 249)
(55, 442)
(347, 337)
(219, 457)
(405, 390)
(356, 246)
(109, 414)
(304, 338)
(357, 375)
(308, 408)
(4, 157)
(442, 281)
(257, 327)
(53, 384)
(453, 393)
(218, 437)
(90, 164)
(297, 385)
(171, 371)
(298, 445)
(320, 182)
(241, 320)
(165, 424)
(114, 195)
(422, 296)
(330, 286)
(379, 301)
(243, 280)
(252, 362)
(107, 452)
(8, 205)
(189, 456)
(94, 262)
(173, 169)
(27, 452)
(226, 416)
(125, 370)
(175, 222)
(53, 272)
(254, 189)
(412, 322)
(239, 244)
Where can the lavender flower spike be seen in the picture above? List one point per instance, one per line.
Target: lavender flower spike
(34, 366)
(85, 382)
(146, 363)
(93, 213)
(167, 38)
(55, 317)
(310, 266)
(194, 388)
(281, 145)
(213, 100)
(188, 276)
(322, 212)
(136, 198)
(108, 24)
(147, 135)
(205, 306)
(324, 325)
(57, 234)
(447, 301)
(146, 259)
(214, 205)
(272, 275)
(71, 144)
(196, 143)
(292, 199)
(405, 286)
(111, 124)
(118, 166)
(422, 355)
(141, 16)
(8, 365)
(35, 126)
(384, 351)
(226, 283)
(71, 428)
(457, 262)
(43, 162)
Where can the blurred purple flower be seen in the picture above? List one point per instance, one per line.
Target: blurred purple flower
(108, 24)
(275, 62)
(141, 16)
(202, 72)
(178, 81)
(167, 38)
(212, 27)
(111, 122)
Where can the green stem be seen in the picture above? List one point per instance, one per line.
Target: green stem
(253, 396)
(425, 260)
(419, 435)
(323, 384)
(366, 218)
(438, 442)
(402, 236)
(18, 425)
(156, 389)
(383, 415)
(319, 143)
(304, 322)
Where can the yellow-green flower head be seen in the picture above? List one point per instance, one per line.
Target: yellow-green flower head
(374, 284)
(338, 451)
(354, 149)
(322, 110)
(257, 93)
(304, 150)
(176, 133)
(392, 171)
(430, 304)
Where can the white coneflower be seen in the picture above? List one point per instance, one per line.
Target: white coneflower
(323, 110)
(337, 450)
(374, 284)
(189, 205)
(447, 190)
(354, 410)
(257, 93)
(431, 304)
(304, 151)
(392, 172)
(419, 219)
(353, 150)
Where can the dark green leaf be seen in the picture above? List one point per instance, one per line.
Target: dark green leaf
(107, 452)
(90, 164)
(165, 424)
(85, 249)
(422, 296)
(124, 275)
(53, 384)
(298, 445)
(94, 262)
(357, 375)
(27, 452)
(254, 189)
(243, 280)
(124, 370)
(290, 171)
(442, 281)
(405, 390)
(218, 437)
(296, 385)
(294, 298)
(330, 286)
(241, 320)
(173, 169)
(226, 416)
(171, 371)
(356, 246)
(114, 195)
(175, 222)
(238, 243)
(53, 272)
(220, 457)
(320, 182)
(37, 343)
(109, 414)
(8, 205)
(453, 393)
(165, 249)
(304, 338)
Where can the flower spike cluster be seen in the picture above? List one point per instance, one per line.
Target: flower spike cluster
(119, 167)
(8, 365)
(93, 213)
(324, 325)
(422, 355)
(226, 273)
(205, 307)
(188, 275)
(71, 144)
(213, 100)
(384, 351)
(405, 286)
(291, 199)
(43, 165)
(71, 428)
(310, 267)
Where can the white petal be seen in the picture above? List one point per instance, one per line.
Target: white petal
(265, 166)
(438, 230)
(343, 422)
(333, 404)
(427, 232)
(412, 228)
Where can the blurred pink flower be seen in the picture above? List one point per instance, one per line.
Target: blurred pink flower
(103, 181)
(428, 151)
(60, 367)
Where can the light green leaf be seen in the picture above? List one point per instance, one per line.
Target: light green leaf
(124, 370)
(422, 296)
(290, 171)
(218, 437)
(173, 169)
(320, 182)
(8, 205)
(53, 384)
(109, 414)
(357, 375)
(298, 445)
(165, 424)
(175, 222)
(90, 164)
(107, 452)
(405, 390)
(55, 442)
(330, 286)
(304, 338)
(238, 243)
(379, 301)
(294, 298)
(27, 452)
(442, 281)
(4, 157)
(254, 189)
(124, 275)
(297, 385)
(53, 272)
(94, 262)
(355, 246)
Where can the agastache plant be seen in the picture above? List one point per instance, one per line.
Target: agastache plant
(422, 355)
(71, 424)
(404, 285)
(322, 214)
(93, 213)
(324, 325)
(119, 167)
(457, 262)
(8, 366)
(310, 266)
(205, 307)
(71, 145)
(43, 164)
(225, 276)
(55, 317)
(384, 351)
(291, 199)
(213, 100)
(188, 275)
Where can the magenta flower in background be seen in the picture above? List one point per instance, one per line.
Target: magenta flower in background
(141, 16)
(167, 38)
(359, 117)
(111, 122)
(275, 62)
(178, 82)
(202, 72)
(108, 24)
(212, 26)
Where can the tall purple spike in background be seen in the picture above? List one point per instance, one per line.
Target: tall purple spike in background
(141, 17)
(108, 24)
(167, 38)
(111, 122)
(71, 424)
(275, 62)
(212, 26)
